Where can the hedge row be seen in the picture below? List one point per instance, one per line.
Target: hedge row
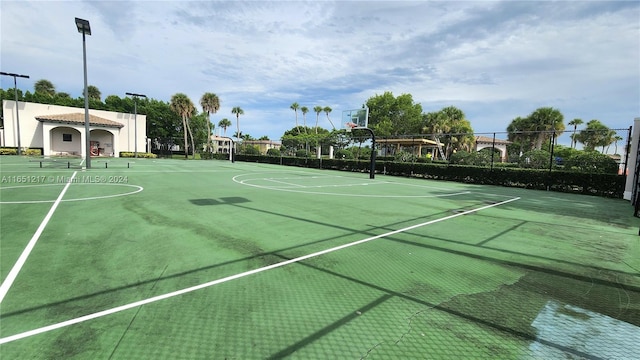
(144, 155)
(14, 151)
(607, 185)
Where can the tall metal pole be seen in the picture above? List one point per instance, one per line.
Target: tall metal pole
(135, 120)
(135, 127)
(86, 106)
(15, 93)
(85, 28)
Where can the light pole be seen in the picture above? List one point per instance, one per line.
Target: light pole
(84, 28)
(15, 91)
(135, 120)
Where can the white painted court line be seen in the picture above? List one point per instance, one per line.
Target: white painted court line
(229, 278)
(138, 189)
(8, 281)
(301, 188)
(281, 182)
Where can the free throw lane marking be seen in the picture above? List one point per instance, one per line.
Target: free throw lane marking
(8, 281)
(232, 277)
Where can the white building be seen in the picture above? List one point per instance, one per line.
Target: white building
(220, 144)
(60, 130)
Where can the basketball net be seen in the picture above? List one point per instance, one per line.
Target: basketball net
(350, 126)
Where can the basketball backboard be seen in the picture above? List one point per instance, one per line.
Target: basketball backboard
(359, 117)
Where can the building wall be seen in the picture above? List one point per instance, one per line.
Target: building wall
(32, 131)
(59, 146)
(220, 144)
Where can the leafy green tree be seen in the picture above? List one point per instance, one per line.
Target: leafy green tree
(210, 104)
(263, 137)
(237, 111)
(294, 139)
(574, 123)
(183, 106)
(64, 99)
(224, 124)
(162, 121)
(115, 103)
(44, 86)
(201, 132)
(274, 152)
(401, 112)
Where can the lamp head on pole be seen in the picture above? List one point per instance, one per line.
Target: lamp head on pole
(136, 95)
(14, 75)
(83, 26)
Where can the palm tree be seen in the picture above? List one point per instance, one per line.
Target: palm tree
(237, 111)
(304, 111)
(224, 124)
(595, 134)
(318, 110)
(615, 140)
(295, 107)
(327, 110)
(182, 105)
(210, 104)
(44, 86)
(94, 92)
(544, 121)
(574, 123)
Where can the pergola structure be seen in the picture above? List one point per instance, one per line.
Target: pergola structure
(416, 144)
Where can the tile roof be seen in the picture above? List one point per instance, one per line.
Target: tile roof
(78, 118)
(486, 139)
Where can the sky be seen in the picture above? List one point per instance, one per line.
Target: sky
(495, 60)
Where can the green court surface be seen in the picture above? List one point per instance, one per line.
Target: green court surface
(174, 259)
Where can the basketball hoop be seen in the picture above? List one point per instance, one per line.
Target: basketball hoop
(350, 126)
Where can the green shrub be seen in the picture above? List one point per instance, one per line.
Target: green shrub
(403, 156)
(32, 152)
(535, 159)
(302, 153)
(343, 154)
(274, 152)
(129, 154)
(591, 162)
(249, 150)
(8, 151)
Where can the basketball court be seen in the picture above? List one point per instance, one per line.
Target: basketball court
(211, 259)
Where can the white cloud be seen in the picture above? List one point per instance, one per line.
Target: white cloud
(495, 60)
